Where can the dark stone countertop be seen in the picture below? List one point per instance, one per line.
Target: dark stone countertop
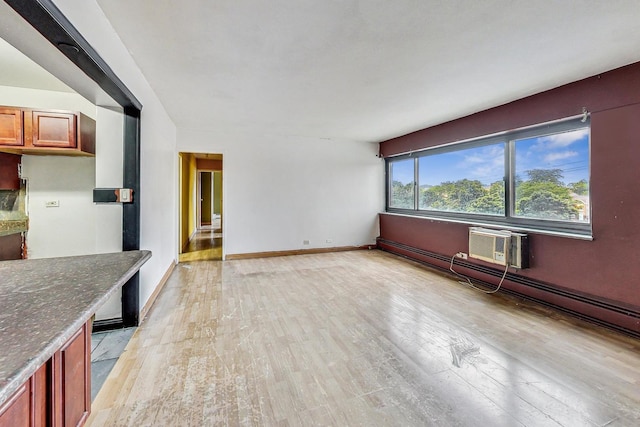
(43, 302)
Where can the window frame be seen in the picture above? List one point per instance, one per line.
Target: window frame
(509, 219)
(389, 185)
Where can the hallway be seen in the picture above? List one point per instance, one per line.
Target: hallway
(201, 199)
(361, 338)
(206, 244)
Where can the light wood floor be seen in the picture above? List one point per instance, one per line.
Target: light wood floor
(361, 338)
(206, 244)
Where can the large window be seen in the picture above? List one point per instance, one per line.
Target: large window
(402, 178)
(465, 180)
(552, 176)
(534, 178)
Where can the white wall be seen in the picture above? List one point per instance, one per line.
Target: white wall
(69, 229)
(279, 191)
(158, 144)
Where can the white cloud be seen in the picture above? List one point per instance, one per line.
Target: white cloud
(560, 140)
(487, 172)
(560, 155)
(492, 154)
(486, 164)
(473, 159)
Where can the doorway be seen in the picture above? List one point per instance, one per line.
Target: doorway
(206, 198)
(210, 191)
(201, 200)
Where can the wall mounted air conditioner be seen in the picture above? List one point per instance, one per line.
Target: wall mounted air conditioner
(519, 253)
(501, 247)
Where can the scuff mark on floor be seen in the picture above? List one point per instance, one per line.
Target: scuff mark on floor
(462, 348)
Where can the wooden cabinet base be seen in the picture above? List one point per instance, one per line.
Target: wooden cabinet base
(28, 406)
(17, 410)
(59, 393)
(9, 166)
(11, 247)
(72, 379)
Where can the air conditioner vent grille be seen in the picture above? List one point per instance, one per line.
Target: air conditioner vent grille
(481, 245)
(499, 247)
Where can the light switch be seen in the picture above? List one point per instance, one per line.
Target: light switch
(52, 204)
(124, 195)
(113, 195)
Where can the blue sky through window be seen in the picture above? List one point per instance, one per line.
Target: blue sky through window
(402, 171)
(568, 151)
(485, 164)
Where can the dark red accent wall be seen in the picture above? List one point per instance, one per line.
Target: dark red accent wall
(606, 269)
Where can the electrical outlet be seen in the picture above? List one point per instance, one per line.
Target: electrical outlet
(52, 204)
(305, 242)
(329, 240)
(462, 255)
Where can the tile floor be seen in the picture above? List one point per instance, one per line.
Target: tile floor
(106, 348)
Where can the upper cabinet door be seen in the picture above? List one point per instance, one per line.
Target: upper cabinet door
(11, 126)
(54, 129)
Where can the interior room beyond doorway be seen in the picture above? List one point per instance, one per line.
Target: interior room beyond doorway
(200, 206)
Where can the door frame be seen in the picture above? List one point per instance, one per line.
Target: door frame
(225, 238)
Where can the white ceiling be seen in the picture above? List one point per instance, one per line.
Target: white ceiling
(364, 70)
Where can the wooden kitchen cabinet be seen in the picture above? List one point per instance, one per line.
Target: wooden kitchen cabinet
(11, 126)
(12, 247)
(28, 405)
(53, 129)
(46, 132)
(59, 393)
(72, 380)
(9, 175)
(17, 410)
